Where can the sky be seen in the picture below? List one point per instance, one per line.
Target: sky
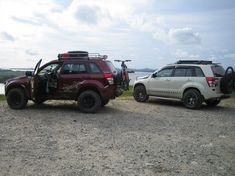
(151, 33)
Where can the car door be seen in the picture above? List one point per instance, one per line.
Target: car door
(41, 80)
(158, 84)
(182, 75)
(71, 77)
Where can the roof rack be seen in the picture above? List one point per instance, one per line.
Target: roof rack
(204, 62)
(80, 55)
(97, 56)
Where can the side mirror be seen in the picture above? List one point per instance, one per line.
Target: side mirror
(154, 75)
(29, 73)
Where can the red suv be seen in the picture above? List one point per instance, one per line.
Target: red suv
(89, 79)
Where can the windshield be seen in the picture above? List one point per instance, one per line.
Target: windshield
(218, 70)
(37, 67)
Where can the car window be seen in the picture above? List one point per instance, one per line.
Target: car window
(180, 72)
(166, 72)
(218, 70)
(94, 68)
(74, 69)
(189, 72)
(198, 72)
(49, 68)
(183, 72)
(111, 67)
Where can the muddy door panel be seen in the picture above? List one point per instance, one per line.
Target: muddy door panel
(69, 84)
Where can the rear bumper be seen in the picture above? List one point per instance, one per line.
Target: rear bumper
(218, 96)
(110, 92)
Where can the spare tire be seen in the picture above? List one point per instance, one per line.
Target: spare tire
(227, 82)
(118, 78)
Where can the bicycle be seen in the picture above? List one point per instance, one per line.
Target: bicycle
(124, 74)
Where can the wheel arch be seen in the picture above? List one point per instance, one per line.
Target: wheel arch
(20, 86)
(139, 84)
(194, 88)
(92, 88)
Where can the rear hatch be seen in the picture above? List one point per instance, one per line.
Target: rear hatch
(218, 72)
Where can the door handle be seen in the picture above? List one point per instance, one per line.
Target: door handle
(167, 80)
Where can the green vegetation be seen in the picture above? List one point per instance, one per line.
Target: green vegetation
(128, 92)
(7, 74)
(2, 97)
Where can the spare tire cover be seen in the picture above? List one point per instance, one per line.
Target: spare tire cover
(227, 82)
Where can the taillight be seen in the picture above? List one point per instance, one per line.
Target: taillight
(109, 77)
(210, 81)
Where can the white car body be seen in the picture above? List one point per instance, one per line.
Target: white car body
(175, 86)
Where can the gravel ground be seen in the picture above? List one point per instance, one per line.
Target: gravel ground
(124, 138)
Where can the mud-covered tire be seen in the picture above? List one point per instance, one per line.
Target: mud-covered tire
(140, 94)
(212, 102)
(16, 98)
(192, 99)
(89, 101)
(104, 102)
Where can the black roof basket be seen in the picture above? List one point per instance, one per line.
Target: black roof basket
(80, 55)
(203, 62)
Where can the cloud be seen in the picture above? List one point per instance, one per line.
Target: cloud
(7, 36)
(87, 14)
(31, 52)
(230, 56)
(185, 55)
(25, 21)
(184, 36)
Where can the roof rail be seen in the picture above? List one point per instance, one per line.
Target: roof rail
(97, 56)
(80, 55)
(204, 62)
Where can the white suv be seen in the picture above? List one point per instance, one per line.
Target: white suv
(193, 82)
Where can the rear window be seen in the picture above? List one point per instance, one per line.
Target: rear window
(218, 70)
(198, 72)
(111, 67)
(94, 68)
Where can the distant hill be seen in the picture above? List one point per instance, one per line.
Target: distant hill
(21, 69)
(132, 70)
(143, 70)
(6, 74)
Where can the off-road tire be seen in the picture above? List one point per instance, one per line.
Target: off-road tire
(140, 94)
(192, 99)
(89, 101)
(16, 98)
(212, 102)
(104, 102)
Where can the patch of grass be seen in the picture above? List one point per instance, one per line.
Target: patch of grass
(2, 97)
(129, 92)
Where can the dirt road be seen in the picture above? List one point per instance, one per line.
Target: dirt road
(124, 138)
